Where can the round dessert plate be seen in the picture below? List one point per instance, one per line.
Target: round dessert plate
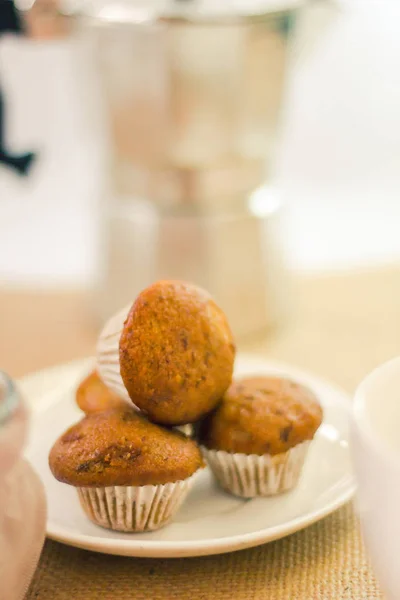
(211, 521)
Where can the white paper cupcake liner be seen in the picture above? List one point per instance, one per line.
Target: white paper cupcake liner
(134, 508)
(108, 354)
(251, 475)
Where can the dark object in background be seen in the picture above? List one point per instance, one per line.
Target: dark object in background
(9, 17)
(10, 22)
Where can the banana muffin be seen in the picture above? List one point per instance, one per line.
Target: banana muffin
(176, 353)
(257, 438)
(92, 395)
(130, 474)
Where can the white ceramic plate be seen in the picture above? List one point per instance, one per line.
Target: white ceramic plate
(211, 521)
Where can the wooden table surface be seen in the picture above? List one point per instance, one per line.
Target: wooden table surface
(342, 326)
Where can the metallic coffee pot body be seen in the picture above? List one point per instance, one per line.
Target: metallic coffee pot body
(192, 93)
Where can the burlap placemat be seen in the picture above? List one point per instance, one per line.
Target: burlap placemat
(343, 326)
(323, 562)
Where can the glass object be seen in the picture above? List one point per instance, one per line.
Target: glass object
(193, 93)
(22, 500)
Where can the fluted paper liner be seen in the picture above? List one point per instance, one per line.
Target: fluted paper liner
(251, 475)
(134, 508)
(108, 354)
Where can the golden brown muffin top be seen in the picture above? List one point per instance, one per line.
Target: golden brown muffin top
(120, 447)
(262, 415)
(176, 353)
(92, 395)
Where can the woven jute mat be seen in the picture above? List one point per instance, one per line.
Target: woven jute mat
(324, 562)
(342, 327)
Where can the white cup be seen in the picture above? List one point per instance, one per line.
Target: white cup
(376, 455)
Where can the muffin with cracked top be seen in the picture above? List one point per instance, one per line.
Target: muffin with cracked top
(257, 439)
(130, 474)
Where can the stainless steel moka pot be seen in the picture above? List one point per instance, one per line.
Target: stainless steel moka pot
(193, 93)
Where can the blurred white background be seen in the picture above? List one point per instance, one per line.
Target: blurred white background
(339, 167)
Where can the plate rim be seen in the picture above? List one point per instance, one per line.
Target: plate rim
(193, 548)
